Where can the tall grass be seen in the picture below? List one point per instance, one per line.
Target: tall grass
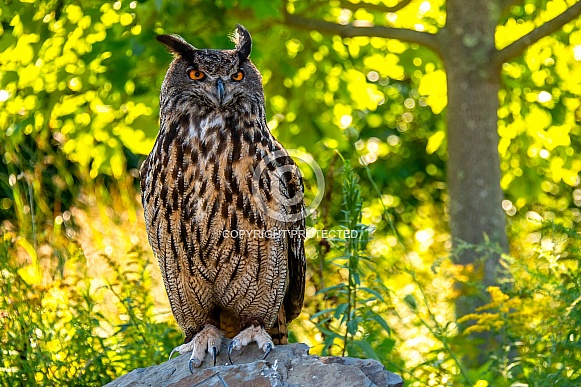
(63, 324)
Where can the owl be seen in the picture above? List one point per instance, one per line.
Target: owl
(223, 204)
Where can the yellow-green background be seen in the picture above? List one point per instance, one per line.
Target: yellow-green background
(82, 301)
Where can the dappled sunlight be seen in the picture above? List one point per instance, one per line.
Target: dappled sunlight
(83, 299)
(115, 232)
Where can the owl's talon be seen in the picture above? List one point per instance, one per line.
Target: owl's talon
(230, 348)
(214, 353)
(268, 348)
(171, 353)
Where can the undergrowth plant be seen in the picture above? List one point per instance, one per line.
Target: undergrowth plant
(540, 315)
(352, 326)
(536, 318)
(76, 330)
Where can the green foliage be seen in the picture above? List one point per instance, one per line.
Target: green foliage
(539, 318)
(79, 86)
(63, 332)
(353, 324)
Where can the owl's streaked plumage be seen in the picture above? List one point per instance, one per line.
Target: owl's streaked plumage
(223, 202)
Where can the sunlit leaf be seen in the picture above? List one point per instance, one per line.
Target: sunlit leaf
(433, 86)
(372, 291)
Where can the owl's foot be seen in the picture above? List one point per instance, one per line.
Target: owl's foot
(208, 339)
(250, 334)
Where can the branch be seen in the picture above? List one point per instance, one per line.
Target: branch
(429, 40)
(516, 48)
(373, 7)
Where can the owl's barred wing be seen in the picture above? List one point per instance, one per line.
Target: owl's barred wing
(290, 186)
(293, 300)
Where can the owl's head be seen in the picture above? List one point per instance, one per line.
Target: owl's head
(206, 80)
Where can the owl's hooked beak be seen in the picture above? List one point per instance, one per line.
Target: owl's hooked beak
(220, 89)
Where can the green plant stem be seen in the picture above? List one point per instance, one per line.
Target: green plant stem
(346, 337)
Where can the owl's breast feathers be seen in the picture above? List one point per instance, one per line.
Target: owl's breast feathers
(219, 217)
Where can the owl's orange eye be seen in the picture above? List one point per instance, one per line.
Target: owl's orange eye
(238, 76)
(196, 75)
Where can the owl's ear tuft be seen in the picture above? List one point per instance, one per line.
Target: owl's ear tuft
(176, 44)
(243, 42)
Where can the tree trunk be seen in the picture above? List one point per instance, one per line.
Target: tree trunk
(473, 164)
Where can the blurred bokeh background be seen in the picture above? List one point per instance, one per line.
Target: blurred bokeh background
(82, 301)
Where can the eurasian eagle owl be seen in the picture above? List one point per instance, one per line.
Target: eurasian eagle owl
(223, 203)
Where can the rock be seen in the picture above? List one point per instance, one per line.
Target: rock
(286, 366)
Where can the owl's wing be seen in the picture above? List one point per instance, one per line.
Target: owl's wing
(291, 184)
(293, 300)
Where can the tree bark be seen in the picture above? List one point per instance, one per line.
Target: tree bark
(473, 164)
(476, 212)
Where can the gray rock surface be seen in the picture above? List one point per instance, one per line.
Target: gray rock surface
(286, 366)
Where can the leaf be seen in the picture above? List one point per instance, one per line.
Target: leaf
(435, 141)
(330, 289)
(29, 249)
(366, 348)
(341, 308)
(378, 319)
(321, 312)
(31, 273)
(411, 301)
(330, 334)
(372, 291)
(433, 86)
(386, 346)
(352, 326)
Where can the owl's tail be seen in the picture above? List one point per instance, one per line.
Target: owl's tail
(279, 331)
